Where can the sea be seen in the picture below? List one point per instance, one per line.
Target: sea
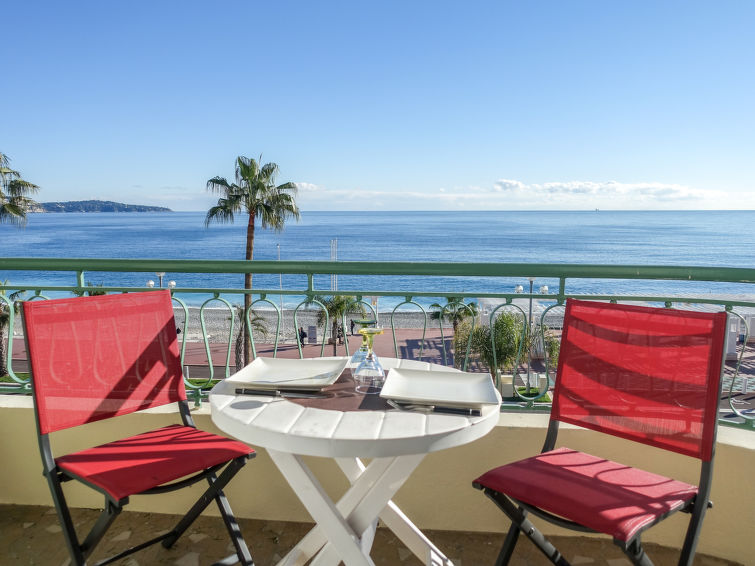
(693, 238)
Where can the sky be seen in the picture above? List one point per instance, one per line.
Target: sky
(408, 105)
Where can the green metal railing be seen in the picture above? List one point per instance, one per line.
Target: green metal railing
(498, 276)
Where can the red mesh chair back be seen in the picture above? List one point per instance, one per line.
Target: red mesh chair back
(98, 357)
(646, 374)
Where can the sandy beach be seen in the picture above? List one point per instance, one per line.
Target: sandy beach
(217, 322)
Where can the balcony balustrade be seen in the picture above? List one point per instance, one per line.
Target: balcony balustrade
(498, 289)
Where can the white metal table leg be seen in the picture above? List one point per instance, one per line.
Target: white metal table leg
(398, 522)
(365, 514)
(321, 508)
(316, 538)
(340, 527)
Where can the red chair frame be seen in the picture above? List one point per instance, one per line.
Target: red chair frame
(94, 358)
(650, 375)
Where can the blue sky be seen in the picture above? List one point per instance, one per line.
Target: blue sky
(386, 105)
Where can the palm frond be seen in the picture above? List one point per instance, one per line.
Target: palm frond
(221, 213)
(8, 172)
(268, 171)
(246, 170)
(218, 185)
(274, 212)
(12, 213)
(19, 187)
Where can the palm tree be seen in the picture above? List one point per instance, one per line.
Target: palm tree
(337, 306)
(92, 290)
(14, 194)
(455, 310)
(256, 194)
(259, 325)
(507, 330)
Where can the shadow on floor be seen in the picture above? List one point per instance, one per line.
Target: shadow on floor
(32, 535)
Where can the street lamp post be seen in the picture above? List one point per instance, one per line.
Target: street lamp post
(531, 332)
(160, 275)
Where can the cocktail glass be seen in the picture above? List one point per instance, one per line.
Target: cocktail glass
(369, 375)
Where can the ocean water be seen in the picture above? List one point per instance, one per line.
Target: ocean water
(699, 238)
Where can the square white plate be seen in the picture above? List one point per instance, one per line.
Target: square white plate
(443, 388)
(280, 373)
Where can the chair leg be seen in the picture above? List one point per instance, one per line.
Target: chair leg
(214, 492)
(98, 530)
(520, 522)
(693, 531)
(635, 552)
(512, 537)
(234, 531)
(64, 516)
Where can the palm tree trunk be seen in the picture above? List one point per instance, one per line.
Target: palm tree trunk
(248, 285)
(334, 335)
(239, 349)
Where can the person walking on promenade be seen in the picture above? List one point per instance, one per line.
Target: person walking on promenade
(352, 327)
(302, 335)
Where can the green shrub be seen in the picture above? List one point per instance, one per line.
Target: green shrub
(513, 339)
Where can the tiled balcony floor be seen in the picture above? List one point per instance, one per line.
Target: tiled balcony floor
(31, 535)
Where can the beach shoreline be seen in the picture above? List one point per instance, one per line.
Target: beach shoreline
(217, 322)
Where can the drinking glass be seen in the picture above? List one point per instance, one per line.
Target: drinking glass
(359, 356)
(369, 375)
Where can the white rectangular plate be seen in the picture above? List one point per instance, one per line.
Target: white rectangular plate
(443, 388)
(280, 373)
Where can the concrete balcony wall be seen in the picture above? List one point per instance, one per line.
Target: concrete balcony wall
(438, 496)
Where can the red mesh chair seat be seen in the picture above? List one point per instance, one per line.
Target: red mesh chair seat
(139, 463)
(605, 496)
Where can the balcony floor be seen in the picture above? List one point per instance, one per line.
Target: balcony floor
(31, 535)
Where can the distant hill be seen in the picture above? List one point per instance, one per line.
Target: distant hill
(96, 206)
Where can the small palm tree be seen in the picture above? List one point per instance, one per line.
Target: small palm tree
(254, 193)
(92, 290)
(14, 194)
(337, 307)
(455, 310)
(259, 326)
(507, 329)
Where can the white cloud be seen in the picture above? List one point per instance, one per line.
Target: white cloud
(609, 194)
(511, 194)
(307, 187)
(508, 185)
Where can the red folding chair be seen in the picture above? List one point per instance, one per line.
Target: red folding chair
(93, 358)
(645, 374)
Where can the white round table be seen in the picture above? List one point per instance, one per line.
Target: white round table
(395, 440)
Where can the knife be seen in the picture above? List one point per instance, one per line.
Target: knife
(280, 393)
(463, 411)
(458, 411)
